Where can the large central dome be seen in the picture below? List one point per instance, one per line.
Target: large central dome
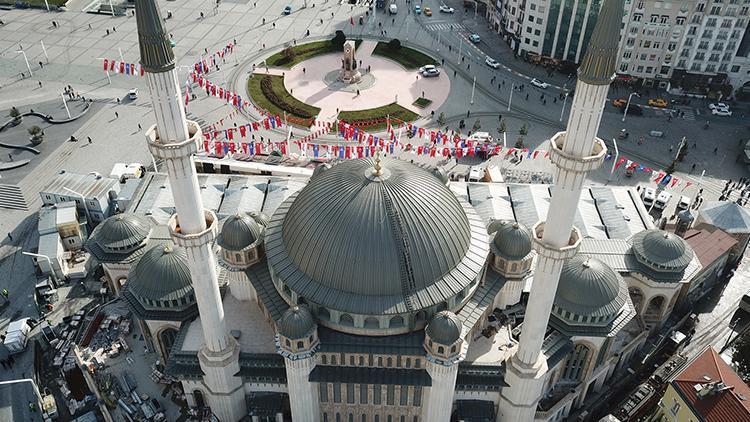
(359, 242)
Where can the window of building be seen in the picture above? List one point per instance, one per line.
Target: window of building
(376, 394)
(675, 407)
(417, 401)
(735, 69)
(363, 394)
(351, 360)
(337, 392)
(715, 10)
(663, 19)
(333, 360)
(647, 44)
(576, 363)
(404, 400)
(637, 17)
(390, 394)
(649, 69)
(323, 388)
(350, 393)
(390, 362)
(380, 361)
(711, 22)
(680, 20)
(533, 6)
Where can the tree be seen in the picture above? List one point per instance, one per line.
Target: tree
(519, 143)
(477, 126)
(37, 135)
(289, 54)
(524, 129)
(503, 127)
(394, 44)
(741, 355)
(683, 151)
(16, 115)
(339, 39)
(672, 167)
(441, 119)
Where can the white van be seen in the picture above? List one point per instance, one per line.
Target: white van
(648, 195)
(480, 137)
(476, 174)
(393, 9)
(662, 200)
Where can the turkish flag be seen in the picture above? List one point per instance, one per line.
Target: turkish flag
(106, 65)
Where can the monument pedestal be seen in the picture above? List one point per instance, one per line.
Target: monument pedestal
(349, 72)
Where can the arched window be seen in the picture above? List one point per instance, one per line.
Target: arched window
(421, 316)
(397, 322)
(654, 308)
(351, 417)
(372, 322)
(576, 363)
(636, 295)
(346, 320)
(324, 360)
(324, 314)
(333, 360)
(390, 362)
(238, 257)
(453, 349)
(441, 349)
(300, 344)
(513, 267)
(288, 343)
(166, 340)
(198, 397)
(364, 418)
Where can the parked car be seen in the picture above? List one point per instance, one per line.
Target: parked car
(648, 195)
(431, 72)
(418, 9)
(427, 11)
(446, 9)
(657, 102)
(620, 102)
(492, 62)
(288, 10)
(539, 84)
(684, 203)
(718, 105)
(662, 200)
(724, 112)
(474, 38)
(393, 9)
(133, 93)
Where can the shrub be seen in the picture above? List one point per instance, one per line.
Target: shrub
(503, 127)
(477, 126)
(35, 130)
(441, 119)
(524, 129)
(519, 143)
(289, 53)
(266, 86)
(394, 44)
(14, 112)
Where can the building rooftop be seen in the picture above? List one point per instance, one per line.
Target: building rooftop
(709, 246)
(89, 185)
(727, 401)
(726, 215)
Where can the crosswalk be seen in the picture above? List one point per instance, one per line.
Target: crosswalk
(12, 198)
(445, 26)
(689, 112)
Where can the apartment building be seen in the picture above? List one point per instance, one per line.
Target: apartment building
(558, 29)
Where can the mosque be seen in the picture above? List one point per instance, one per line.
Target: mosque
(379, 291)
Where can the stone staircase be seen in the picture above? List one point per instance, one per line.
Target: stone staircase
(12, 198)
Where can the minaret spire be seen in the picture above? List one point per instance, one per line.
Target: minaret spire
(175, 139)
(574, 153)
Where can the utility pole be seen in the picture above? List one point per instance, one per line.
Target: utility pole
(510, 98)
(26, 59)
(473, 85)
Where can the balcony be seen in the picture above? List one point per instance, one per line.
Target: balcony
(563, 393)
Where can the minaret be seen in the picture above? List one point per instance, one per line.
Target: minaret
(574, 153)
(297, 337)
(175, 140)
(443, 344)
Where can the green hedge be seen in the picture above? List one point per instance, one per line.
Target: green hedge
(375, 118)
(303, 52)
(405, 56)
(422, 102)
(269, 93)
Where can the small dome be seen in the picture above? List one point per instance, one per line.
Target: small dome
(590, 287)
(661, 250)
(162, 274)
(239, 231)
(440, 173)
(512, 239)
(444, 328)
(121, 233)
(296, 323)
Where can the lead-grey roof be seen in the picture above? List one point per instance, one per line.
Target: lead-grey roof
(296, 323)
(375, 247)
(162, 274)
(153, 39)
(362, 375)
(444, 328)
(121, 233)
(512, 239)
(726, 215)
(600, 61)
(662, 251)
(588, 287)
(239, 231)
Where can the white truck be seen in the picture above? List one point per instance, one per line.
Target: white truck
(16, 336)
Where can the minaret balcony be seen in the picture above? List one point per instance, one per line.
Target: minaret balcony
(552, 252)
(165, 149)
(571, 162)
(205, 237)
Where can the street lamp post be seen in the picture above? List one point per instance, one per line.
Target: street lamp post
(65, 103)
(460, 44)
(510, 99)
(625, 113)
(565, 101)
(26, 59)
(614, 160)
(112, 8)
(49, 261)
(106, 71)
(438, 45)
(407, 29)
(44, 50)
(473, 85)
(83, 201)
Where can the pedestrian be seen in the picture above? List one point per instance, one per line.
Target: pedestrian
(716, 150)
(108, 32)
(114, 29)
(10, 236)
(41, 65)
(264, 21)
(10, 156)
(671, 148)
(303, 70)
(527, 96)
(273, 25)
(454, 72)
(40, 84)
(88, 138)
(117, 115)
(422, 94)
(468, 113)
(358, 93)
(5, 295)
(89, 26)
(139, 127)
